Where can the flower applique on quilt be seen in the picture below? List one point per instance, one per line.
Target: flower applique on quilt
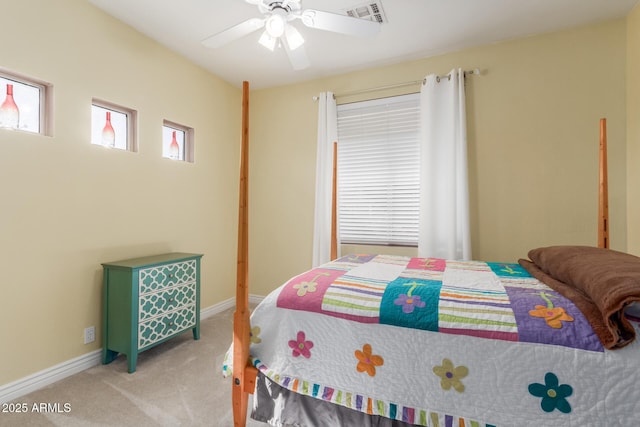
(358, 258)
(436, 264)
(554, 316)
(554, 395)
(451, 375)
(307, 291)
(510, 270)
(367, 361)
(310, 286)
(507, 270)
(301, 346)
(254, 335)
(411, 303)
(408, 301)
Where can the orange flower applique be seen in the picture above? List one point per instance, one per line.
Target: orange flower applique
(367, 361)
(552, 315)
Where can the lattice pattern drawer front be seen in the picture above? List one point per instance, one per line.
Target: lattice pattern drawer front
(162, 327)
(157, 303)
(156, 278)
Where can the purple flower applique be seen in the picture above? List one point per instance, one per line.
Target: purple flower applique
(409, 301)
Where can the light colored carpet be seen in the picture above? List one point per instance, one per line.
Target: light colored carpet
(177, 383)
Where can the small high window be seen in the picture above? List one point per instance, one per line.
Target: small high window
(177, 142)
(24, 104)
(113, 126)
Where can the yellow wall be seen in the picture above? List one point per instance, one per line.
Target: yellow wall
(68, 205)
(633, 130)
(533, 129)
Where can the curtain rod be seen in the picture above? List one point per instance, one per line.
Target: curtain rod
(375, 89)
(475, 71)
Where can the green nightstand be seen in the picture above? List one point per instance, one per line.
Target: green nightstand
(147, 301)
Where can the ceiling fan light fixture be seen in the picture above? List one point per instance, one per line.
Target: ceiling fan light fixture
(294, 38)
(277, 19)
(307, 18)
(267, 41)
(275, 24)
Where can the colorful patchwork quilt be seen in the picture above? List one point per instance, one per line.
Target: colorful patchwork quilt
(441, 343)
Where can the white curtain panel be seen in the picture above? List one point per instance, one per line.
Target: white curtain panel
(444, 190)
(327, 135)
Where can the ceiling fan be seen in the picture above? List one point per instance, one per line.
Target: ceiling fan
(279, 30)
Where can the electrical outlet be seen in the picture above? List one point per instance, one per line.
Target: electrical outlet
(89, 334)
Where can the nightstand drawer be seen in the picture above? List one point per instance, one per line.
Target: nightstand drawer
(156, 278)
(159, 328)
(158, 303)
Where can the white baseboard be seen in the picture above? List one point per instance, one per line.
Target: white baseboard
(48, 376)
(217, 308)
(38, 380)
(229, 303)
(255, 299)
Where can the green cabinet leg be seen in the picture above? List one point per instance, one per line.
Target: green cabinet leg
(108, 356)
(132, 359)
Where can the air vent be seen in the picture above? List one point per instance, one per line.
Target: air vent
(370, 10)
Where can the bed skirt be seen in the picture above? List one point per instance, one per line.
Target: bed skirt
(280, 407)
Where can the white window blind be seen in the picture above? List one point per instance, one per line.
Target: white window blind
(378, 171)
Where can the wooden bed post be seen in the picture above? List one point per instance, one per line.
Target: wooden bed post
(334, 205)
(603, 196)
(244, 374)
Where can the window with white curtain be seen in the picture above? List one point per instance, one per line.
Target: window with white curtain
(378, 171)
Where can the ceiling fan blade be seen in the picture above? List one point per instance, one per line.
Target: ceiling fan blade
(297, 57)
(233, 33)
(339, 23)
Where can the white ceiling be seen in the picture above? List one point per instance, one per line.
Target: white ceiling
(415, 29)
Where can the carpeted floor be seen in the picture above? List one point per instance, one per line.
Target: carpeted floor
(177, 383)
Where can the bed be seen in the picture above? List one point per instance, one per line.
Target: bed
(380, 340)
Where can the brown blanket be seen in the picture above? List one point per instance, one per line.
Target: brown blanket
(600, 282)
